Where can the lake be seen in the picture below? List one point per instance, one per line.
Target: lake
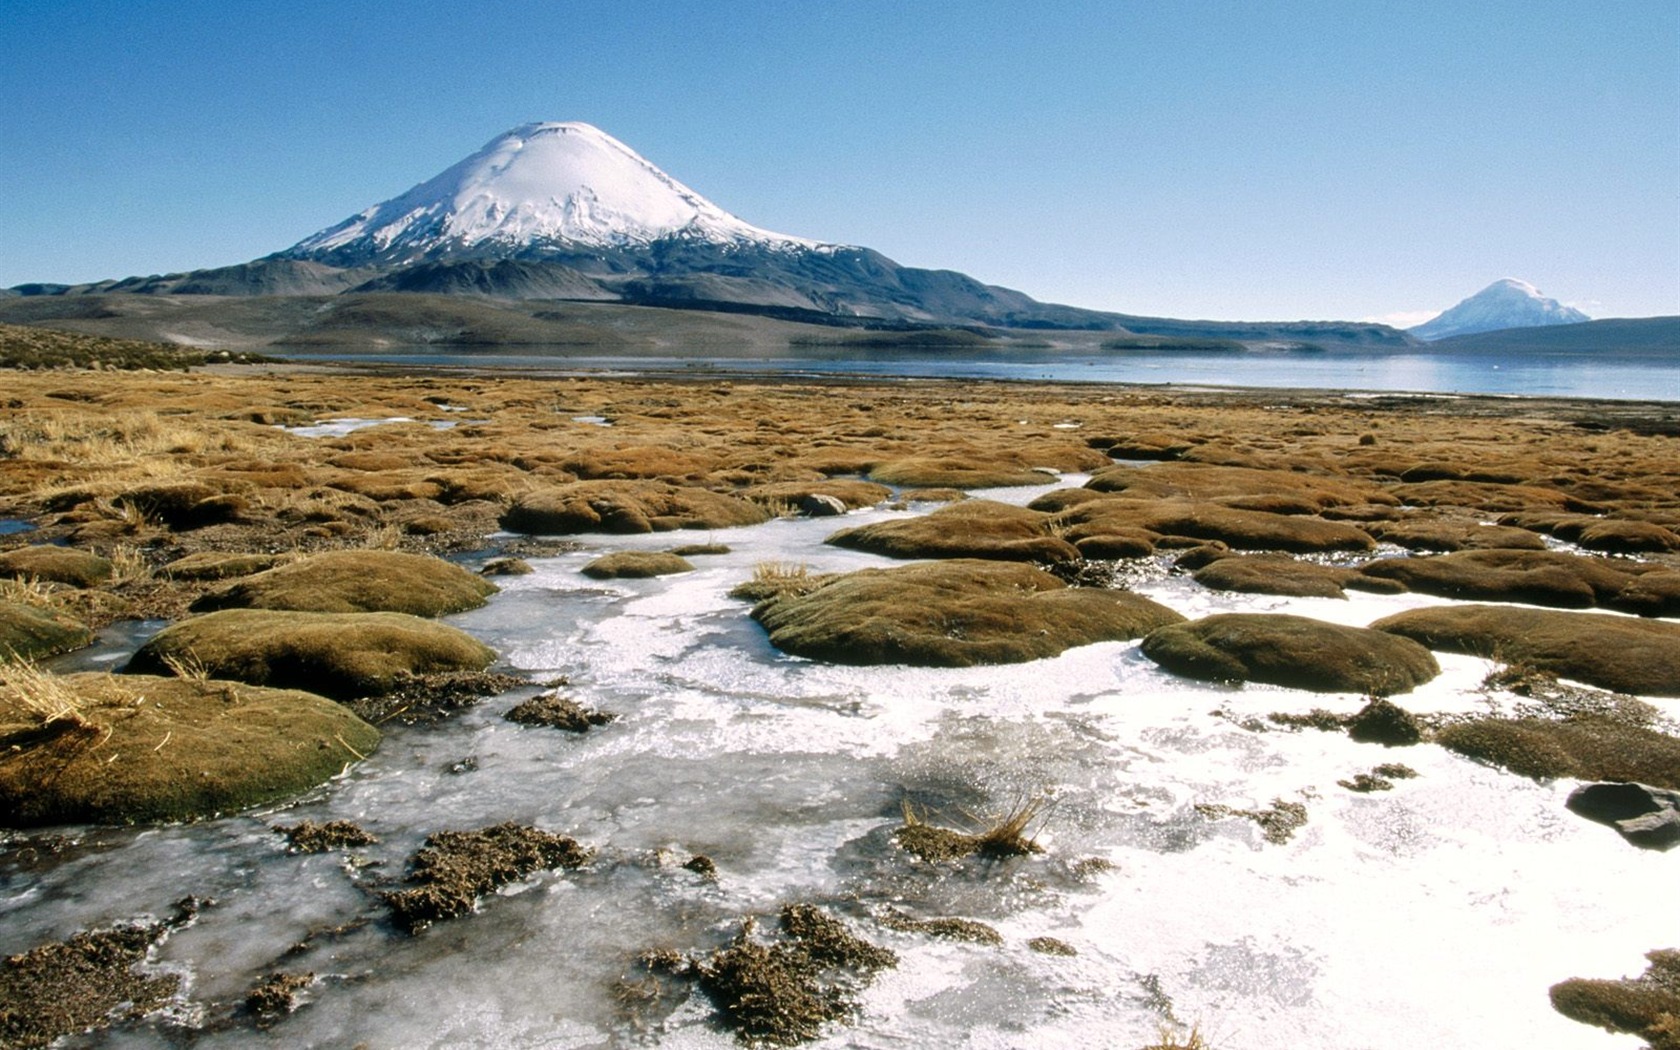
(1621, 377)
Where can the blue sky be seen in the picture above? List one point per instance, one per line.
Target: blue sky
(1230, 160)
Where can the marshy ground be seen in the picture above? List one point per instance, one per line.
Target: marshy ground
(271, 497)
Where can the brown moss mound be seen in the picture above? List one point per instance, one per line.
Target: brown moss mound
(627, 507)
(971, 529)
(956, 472)
(1647, 1006)
(1586, 748)
(81, 984)
(1612, 652)
(1278, 822)
(1253, 530)
(852, 494)
(455, 868)
(1207, 481)
(55, 565)
(215, 565)
(1293, 651)
(1454, 536)
(1281, 574)
(783, 994)
(636, 565)
(948, 929)
(356, 581)
(339, 655)
(955, 613)
(29, 633)
(148, 749)
(1552, 578)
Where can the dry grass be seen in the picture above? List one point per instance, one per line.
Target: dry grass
(1174, 1037)
(38, 697)
(28, 590)
(1006, 836)
(187, 664)
(129, 565)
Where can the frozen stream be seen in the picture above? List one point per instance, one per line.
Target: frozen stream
(1434, 915)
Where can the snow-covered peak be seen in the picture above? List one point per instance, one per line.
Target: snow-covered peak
(560, 185)
(1506, 303)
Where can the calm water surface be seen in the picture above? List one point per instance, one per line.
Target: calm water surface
(1622, 377)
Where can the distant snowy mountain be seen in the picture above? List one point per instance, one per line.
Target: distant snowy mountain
(540, 186)
(1507, 303)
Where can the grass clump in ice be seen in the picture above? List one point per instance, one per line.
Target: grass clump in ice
(456, 868)
(1003, 837)
(783, 993)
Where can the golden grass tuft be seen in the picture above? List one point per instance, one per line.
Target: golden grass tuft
(33, 696)
(1174, 1037)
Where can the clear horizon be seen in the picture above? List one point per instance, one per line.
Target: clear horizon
(1211, 160)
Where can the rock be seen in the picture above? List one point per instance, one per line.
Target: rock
(1612, 652)
(506, 567)
(1386, 723)
(192, 749)
(970, 529)
(351, 581)
(1292, 651)
(628, 507)
(338, 655)
(636, 565)
(1648, 817)
(55, 565)
(954, 613)
(1551, 578)
(30, 633)
(821, 505)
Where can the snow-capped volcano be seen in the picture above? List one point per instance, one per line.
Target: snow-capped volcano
(555, 186)
(1506, 303)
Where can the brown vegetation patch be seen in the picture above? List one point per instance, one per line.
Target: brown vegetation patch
(1278, 822)
(357, 582)
(1239, 529)
(455, 868)
(218, 565)
(421, 699)
(277, 994)
(81, 984)
(341, 655)
(636, 565)
(955, 613)
(948, 929)
(312, 837)
(627, 507)
(1586, 748)
(136, 749)
(1281, 574)
(1552, 578)
(558, 712)
(29, 632)
(1613, 652)
(1647, 1006)
(1292, 651)
(1445, 535)
(64, 565)
(971, 529)
(784, 993)
(1198, 482)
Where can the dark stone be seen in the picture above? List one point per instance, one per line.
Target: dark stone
(1648, 817)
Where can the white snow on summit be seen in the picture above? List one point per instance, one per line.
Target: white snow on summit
(1506, 303)
(542, 184)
